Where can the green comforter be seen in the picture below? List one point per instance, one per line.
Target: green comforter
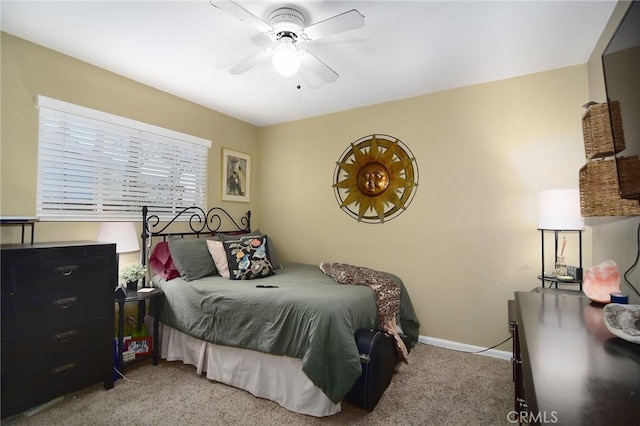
(309, 316)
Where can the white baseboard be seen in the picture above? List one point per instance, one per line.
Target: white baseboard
(463, 347)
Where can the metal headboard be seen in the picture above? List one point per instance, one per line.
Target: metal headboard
(200, 222)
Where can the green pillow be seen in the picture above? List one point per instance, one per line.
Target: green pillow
(191, 257)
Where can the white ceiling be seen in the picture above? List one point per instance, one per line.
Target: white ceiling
(406, 48)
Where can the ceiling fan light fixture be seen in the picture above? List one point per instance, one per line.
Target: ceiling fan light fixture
(286, 58)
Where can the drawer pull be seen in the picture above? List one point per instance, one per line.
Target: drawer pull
(65, 336)
(66, 270)
(64, 369)
(65, 303)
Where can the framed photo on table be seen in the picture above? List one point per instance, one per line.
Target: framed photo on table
(140, 345)
(236, 176)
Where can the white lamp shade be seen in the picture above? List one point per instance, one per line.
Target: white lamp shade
(121, 233)
(559, 209)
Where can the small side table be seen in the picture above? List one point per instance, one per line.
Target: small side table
(141, 298)
(22, 221)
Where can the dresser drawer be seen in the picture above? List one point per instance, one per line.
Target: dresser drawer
(24, 388)
(56, 345)
(23, 276)
(53, 310)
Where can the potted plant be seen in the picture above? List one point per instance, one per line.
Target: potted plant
(131, 274)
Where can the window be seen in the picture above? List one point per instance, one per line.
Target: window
(96, 166)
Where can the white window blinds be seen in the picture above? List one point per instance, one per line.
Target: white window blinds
(97, 166)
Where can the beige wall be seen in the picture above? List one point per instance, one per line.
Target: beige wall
(29, 70)
(469, 239)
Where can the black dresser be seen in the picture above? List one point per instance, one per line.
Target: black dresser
(568, 368)
(57, 320)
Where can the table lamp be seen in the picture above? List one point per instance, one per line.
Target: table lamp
(123, 234)
(558, 211)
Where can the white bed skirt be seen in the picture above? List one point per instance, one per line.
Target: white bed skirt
(277, 378)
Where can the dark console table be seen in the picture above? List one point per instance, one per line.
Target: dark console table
(22, 221)
(568, 368)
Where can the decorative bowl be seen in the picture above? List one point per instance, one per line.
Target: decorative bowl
(623, 321)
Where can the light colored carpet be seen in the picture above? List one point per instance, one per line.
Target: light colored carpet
(438, 387)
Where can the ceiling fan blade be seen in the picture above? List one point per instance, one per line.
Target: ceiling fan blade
(241, 13)
(346, 21)
(248, 63)
(321, 69)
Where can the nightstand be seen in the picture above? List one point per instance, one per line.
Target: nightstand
(140, 297)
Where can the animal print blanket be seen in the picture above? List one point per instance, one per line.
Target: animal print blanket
(385, 290)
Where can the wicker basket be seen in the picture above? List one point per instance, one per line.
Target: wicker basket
(599, 191)
(599, 140)
(629, 175)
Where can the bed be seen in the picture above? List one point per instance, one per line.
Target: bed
(280, 330)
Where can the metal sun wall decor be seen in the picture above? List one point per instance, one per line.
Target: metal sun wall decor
(376, 178)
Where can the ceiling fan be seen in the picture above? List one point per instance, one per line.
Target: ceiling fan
(286, 27)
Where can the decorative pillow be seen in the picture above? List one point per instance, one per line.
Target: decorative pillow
(273, 254)
(275, 259)
(216, 249)
(248, 258)
(191, 257)
(161, 262)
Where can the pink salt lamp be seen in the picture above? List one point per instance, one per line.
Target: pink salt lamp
(601, 280)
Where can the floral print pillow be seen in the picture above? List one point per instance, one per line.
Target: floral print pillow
(248, 258)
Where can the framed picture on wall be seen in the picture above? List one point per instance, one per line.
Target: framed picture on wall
(236, 176)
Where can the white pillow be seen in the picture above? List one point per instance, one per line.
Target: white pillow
(216, 249)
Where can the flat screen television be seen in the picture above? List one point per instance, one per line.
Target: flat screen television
(621, 66)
